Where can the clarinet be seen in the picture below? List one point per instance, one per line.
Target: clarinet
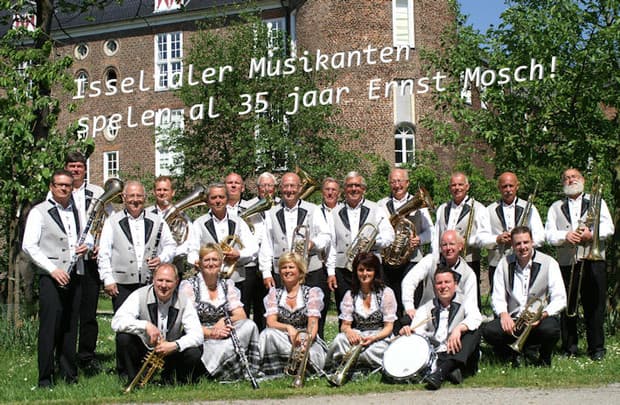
(235, 341)
(83, 236)
(149, 277)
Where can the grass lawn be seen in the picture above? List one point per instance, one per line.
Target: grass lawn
(19, 374)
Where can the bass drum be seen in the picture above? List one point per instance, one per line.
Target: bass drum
(408, 359)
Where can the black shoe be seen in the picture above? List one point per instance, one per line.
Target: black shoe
(516, 361)
(45, 384)
(91, 368)
(434, 380)
(570, 353)
(598, 355)
(455, 377)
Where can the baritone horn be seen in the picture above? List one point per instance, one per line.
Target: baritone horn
(300, 243)
(363, 242)
(97, 213)
(308, 184)
(400, 251)
(176, 220)
(531, 314)
(261, 205)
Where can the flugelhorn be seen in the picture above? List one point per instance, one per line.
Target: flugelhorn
(179, 227)
(340, 376)
(261, 205)
(531, 314)
(152, 363)
(227, 245)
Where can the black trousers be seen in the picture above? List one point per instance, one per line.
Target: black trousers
(183, 367)
(124, 291)
(466, 359)
(252, 296)
(546, 334)
(344, 278)
(318, 278)
(89, 329)
(58, 325)
(593, 295)
(475, 266)
(394, 277)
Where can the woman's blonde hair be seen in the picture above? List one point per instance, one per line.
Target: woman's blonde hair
(292, 257)
(209, 248)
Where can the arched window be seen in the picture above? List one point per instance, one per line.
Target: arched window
(404, 143)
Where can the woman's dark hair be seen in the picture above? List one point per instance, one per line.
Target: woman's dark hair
(370, 261)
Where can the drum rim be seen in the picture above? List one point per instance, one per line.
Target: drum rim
(421, 371)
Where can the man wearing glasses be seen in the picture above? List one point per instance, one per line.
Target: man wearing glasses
(50, 240)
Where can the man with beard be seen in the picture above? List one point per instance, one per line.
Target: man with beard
(566, 229)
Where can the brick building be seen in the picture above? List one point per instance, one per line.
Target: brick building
(143, 41)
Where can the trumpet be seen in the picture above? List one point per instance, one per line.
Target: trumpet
(152, 363)
(525, 322)
(363, 242)
(227, 246)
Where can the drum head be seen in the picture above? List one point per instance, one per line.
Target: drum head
(406, 357)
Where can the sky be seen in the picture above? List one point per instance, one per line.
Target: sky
(482, 13)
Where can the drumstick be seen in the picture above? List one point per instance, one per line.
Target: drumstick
(422, 322)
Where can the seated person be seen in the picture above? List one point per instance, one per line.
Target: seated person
(288, 310)
(520, 277)
(451, 322)
(212, 298)
(368, 312)
(156, 317)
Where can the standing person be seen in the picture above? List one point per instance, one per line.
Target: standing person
(281, 222)
(83, 196)
(288, 310)
(50, 241)
(215, 300)
(505, 214)
(234, 189)
(266, 185)
(214, 227)
(348, 220)
(133, 243)
(156, 316)
(567, 229)
(453, 328)
(421, 219)
(368, 312)
(525, 275)
(455, 214)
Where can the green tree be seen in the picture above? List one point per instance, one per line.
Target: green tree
(252, 142)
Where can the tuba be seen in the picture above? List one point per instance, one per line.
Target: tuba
(227, 245)
(593, 218)
(96, 212)
(152, 363)
(363, 242)
(400, 251)
(525, 322)
(261, 205)
(174, 217)
(308, 184)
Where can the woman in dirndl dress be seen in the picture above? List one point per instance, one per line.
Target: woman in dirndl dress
(368, 312)
(287, 311)
(212, 298)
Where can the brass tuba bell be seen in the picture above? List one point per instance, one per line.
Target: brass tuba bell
(174, 217)
(308, 184)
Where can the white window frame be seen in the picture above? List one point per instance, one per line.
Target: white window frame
(275, 24)
(404, 118)
(110, 157)
(167, 63)
(403, 17)
(161, 6)
(167, 158)
(402, 135)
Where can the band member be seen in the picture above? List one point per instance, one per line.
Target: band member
(156, 316)
(83, 195)
(455, 214)
(266, 185)
(50, 241)
(214, 227)
(330, 192)
(421, 219)
(281, 222)
(507, 213)
(567, 228)
(423, 274)
(368, 312)
(133, 243)
(525, 275)
(453, 329)
(348, 220)
(288, 310)
(234, 189)
(216, 300)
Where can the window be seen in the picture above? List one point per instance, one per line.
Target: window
(404, 119)
(82, 81)
(111, 131)
(402, 22)
(276, 33)
(110, 47)
(23, 71)
(81, 51)
(110, 77)
(404, 143)
(110, 165)
(168, 54)
(167, 5)
(167, 160)
(27, 21)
